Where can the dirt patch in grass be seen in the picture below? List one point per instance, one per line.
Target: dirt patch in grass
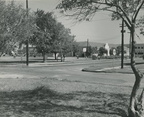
(43, 101)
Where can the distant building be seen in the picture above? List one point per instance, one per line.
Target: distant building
(106, 46)
(139, 49)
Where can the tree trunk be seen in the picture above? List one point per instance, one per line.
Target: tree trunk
(44, 57)
(136, 104)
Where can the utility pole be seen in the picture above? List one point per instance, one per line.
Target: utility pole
(122, 44)
(27, 41)
(61, 51)
(87, 48)
(130, 46)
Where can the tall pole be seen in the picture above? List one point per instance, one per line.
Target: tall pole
(61, 51)
(87, 48)
(27, 41)
(122, 44)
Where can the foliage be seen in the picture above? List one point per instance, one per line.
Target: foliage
(102, 51)
(127, 10)
(118, 50)
(51, 36)
(94, 50)
(111, 50)
(42, 37)
(88, 51)
(62, 40)
(141, 25)
(76, 49)
(86, 9)
(10, 16)
(13, 25)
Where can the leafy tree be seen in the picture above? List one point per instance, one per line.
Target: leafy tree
(102, 51)
(76, 49)
(43, 36)
(94, 50)
(10, 16)
(51, 36)
(111, 50)
(62, 40)
(41, 41)
(119, 50)
(88, 51)
(127, 10)
(2, 39)
(68, 42)
(13, 25)
(26, 29)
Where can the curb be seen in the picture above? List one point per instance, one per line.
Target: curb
(107, 70)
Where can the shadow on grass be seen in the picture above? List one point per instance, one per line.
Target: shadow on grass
(30, 61)
(13, 62)
(112, 104)
(42, 100)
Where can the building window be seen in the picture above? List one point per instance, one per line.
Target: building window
(140, 53)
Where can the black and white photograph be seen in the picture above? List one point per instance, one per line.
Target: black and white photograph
(71, 58)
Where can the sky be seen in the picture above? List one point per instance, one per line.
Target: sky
(101, 29)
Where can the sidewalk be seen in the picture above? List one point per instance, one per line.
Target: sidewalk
(117, 69)
(67, 61)
(34, 62)
(102, 66)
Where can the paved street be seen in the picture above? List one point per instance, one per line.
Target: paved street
(68, 70)
(34, 86)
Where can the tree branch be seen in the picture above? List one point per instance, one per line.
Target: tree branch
(138, 9)
(127, 23)
(114, 5)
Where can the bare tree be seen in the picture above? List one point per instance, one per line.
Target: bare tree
(128, 11)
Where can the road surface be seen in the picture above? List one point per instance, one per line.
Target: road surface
(71, 71)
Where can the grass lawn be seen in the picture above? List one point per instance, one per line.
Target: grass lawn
(116, 67)
(52, 97)
(62, 98)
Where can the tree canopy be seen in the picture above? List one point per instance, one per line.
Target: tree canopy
(102, 51)
(13, 25)
(17, 25)
(51, 36)
(86, 9)
(128, 11)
